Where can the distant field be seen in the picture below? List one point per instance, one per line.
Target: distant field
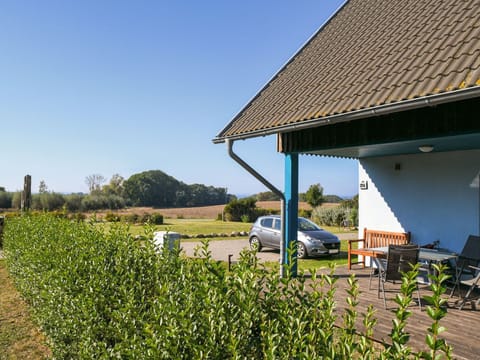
(203, 212)
(196, 226)
(201, 220)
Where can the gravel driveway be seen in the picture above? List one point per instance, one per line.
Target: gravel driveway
(220, 249)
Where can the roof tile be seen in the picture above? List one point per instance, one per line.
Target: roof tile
(370, 53)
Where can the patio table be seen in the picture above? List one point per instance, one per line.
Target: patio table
(426, 257)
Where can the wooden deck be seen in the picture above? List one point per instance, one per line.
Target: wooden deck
(462, 332)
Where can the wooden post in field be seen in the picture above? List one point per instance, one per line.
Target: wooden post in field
(2, 220)
(26, 193)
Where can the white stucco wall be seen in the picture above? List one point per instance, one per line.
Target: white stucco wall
(435, 196)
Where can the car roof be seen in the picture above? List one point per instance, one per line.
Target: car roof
(275, 216)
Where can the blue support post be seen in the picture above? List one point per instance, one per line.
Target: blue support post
(291, 209)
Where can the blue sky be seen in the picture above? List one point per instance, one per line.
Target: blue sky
(107, 87)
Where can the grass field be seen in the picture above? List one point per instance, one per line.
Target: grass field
(206, 227)
(200, 220)
(196, 226)
(19, 338)
(201, 212)
(317, 263)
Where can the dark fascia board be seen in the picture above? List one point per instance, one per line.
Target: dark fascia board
(430, 100)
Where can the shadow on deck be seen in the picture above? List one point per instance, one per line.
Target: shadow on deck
(461, 325)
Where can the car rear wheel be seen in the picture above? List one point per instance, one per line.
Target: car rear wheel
(255, 244)
(301, 251)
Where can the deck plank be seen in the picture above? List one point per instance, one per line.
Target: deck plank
(462, 325)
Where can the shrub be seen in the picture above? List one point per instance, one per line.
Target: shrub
(100, 294)
(235, 209)
(351, 207)
(11, 214)
(267, 196)
(156, 219)
(48, 201)
(153, 218)
(334, 216)
(112, 217)
(115, 202)
(99, 202)
(16, 200)
(131, 218)
(305, 213)
(73, 202)
(78, 216)
(353, 218)
(144, 218)
(58, 213)
(5, 200)
(262, 211)
(92, 202)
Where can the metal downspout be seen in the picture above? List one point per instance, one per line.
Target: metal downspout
(271, 188)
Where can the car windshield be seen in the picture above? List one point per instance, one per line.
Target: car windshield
(306, 225)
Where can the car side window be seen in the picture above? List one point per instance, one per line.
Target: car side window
(306, 226)
(268, 222)
(277, 224)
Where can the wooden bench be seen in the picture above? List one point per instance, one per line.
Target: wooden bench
(373, 239)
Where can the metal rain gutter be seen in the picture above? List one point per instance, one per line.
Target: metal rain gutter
(431, 100)
(272, 188)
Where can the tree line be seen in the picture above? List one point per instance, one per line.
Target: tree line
(345, 214)
(314, 196)
(153, 188)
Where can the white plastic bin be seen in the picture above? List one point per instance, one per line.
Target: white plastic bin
(167, 238)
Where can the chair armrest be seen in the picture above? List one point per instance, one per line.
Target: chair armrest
(463, 257)
(356, 240)
(463, 263)
(381, 263)
(351, 242)
(474, 267)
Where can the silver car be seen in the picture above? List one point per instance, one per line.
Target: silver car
(312, 240)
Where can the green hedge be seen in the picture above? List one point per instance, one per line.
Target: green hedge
(153, 218)
(335, 216)
(103, 294)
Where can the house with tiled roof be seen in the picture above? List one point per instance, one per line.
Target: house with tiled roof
(396, 85)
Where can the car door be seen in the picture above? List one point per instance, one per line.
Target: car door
(276, 234)
(266, 232)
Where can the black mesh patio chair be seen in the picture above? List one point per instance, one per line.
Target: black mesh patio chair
(463, 268)
(400, 259)
(380, 262)
(471, 283)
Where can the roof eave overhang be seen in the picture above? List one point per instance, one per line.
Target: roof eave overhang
(420, 102)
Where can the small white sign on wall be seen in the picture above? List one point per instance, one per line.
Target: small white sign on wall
(363, 185)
